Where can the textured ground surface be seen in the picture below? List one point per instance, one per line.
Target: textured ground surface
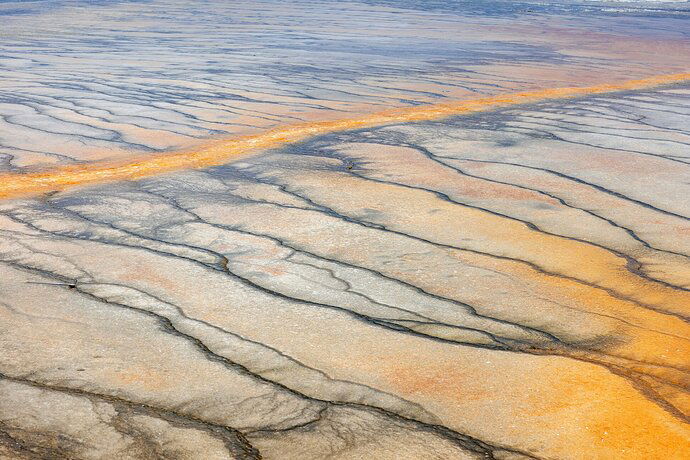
(510, 284)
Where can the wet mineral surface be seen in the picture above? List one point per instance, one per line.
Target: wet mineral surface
(508, 284)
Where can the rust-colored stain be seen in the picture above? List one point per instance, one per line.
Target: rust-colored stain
(18, 185)
(587, 406)
(142, 377)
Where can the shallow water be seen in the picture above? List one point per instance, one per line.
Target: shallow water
(510, 284)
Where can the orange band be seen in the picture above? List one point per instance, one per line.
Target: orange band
(18, 184)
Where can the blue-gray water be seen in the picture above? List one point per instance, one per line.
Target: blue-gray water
(85, 80)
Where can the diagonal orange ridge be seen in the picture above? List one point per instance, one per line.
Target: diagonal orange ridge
(14, 185)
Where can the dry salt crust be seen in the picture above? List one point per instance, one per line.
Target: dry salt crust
(508, 283)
